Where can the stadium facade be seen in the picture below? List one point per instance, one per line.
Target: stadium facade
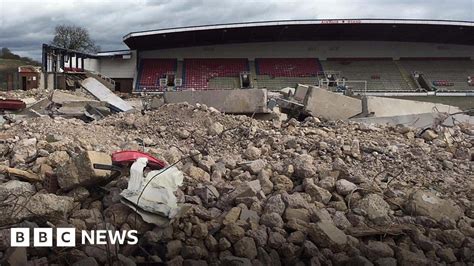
(367, 54)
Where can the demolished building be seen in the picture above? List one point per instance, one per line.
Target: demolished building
(255, 191)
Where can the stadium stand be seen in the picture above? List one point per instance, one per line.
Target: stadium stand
(213, 73)
(443, 74)
(276, 73)
(288, 67)
(151, 70)
(381, 75)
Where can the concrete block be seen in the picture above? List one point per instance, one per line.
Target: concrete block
(241, 101)
(60, 97)
(415, 120)
(301, 92)
(79, 171)
(383, 107)
(330, 105)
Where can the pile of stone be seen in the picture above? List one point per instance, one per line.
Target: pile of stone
(259, 192)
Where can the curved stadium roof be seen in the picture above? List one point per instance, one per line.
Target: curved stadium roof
(406, 30)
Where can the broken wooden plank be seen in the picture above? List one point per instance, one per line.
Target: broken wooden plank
(24, 175)
(378, 230)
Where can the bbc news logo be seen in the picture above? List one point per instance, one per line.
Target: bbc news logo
(66, 237)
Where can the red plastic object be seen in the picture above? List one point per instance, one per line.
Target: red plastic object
(12, 104)
(129, 157)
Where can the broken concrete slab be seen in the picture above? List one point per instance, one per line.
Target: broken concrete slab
(326, 234)
(421, 120)
(383, 107)
(60, 97)
(329, 105)
(16, 256)
(426, 203)
(102, 93)
(20, 201)
(24, 151)
(228, 101)
(37, 109)
(15, 187)
(79, 171)
(375, 207)
(78, 108)
(247, 189)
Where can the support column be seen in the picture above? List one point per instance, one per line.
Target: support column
(253, 74)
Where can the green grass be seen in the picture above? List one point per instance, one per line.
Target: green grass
(11, 64)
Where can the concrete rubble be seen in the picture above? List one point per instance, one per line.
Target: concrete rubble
(80, 104)
(311, 192)
(306, 100)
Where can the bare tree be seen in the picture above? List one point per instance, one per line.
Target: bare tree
(74, 38)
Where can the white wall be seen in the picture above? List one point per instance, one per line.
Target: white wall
(117, 67)
(320, 49)
(91, 64)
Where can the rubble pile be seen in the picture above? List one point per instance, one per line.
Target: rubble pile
(41, 93)
(256, 192)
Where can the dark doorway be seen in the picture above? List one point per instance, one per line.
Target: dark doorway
(170, 80)
(23, 83)
(123, 84)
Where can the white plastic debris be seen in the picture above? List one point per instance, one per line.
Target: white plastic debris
(153, 197)
(136, 174)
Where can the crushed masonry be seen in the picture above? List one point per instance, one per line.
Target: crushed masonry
(215, 188)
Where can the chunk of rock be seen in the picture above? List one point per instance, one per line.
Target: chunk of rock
(376, 249)
(304, 166)
(246, 189)
(245, 247)
(267, 185)
(233, 232)
(256, 166)
(345, 187)
(232, 216)
(58, 158)
(79, 171)
(252, 153)
(272, 220)
(198, 174)
(275, 204)
(282, 183)
(376, 208)
(233, 261)
(425, 203)
(406, 257)
(318, 193)
(27, 206)
(24, 151)
(173, 248)
(215, 129)
(429, 135)
(327, 235)
(299, 214)
(184, 134)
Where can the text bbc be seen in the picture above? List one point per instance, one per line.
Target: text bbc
(66, 237)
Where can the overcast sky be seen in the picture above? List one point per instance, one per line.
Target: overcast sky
(25, 25)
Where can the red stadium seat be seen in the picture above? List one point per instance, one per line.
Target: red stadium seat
(198, 72)
(288, 67)
(154, 69)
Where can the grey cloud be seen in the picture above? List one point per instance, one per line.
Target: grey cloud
(25, 25)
